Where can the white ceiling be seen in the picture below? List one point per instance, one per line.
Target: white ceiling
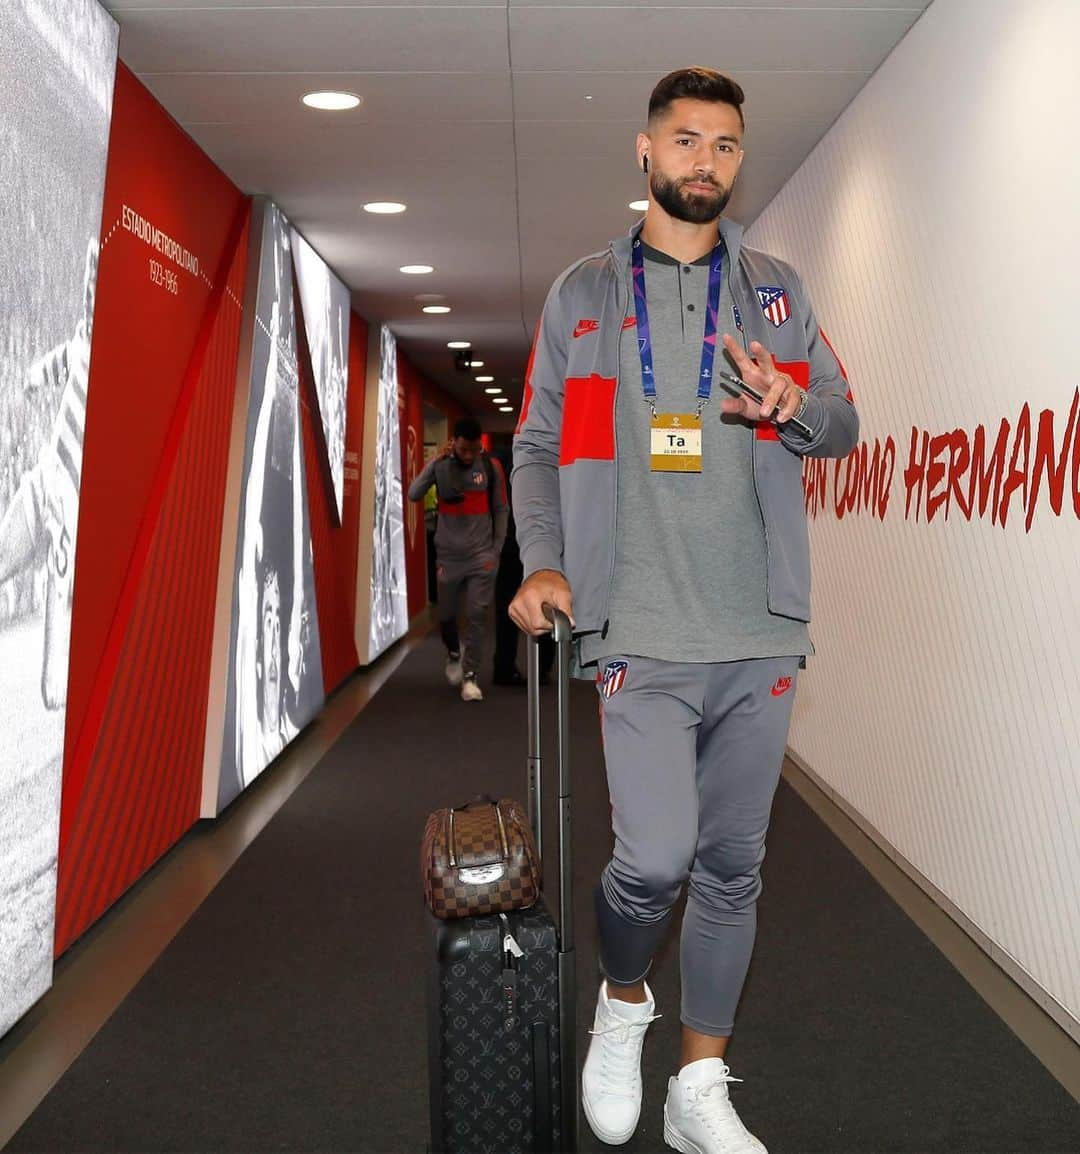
(474, 114)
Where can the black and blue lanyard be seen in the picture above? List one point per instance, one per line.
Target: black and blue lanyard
(708, 344)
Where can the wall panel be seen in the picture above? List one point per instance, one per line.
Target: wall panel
(57, 69)
(935, 226)
(381, 605)
(171, 271)
(354, 442)
(335, 598)
(274, 674)
(411, 415)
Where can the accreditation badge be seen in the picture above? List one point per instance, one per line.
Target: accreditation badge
(675, 443)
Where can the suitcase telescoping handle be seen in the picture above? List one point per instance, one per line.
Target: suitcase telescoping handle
(567, 986)
(562, 637)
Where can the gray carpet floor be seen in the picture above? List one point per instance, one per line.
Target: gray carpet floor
(289, 1013)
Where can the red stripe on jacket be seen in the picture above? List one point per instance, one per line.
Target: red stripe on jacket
(799, 372)
(527, 394)
(843, 371)
(588, 421)
(474, 505)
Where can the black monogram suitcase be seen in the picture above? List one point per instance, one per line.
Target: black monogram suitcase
(502, 1057)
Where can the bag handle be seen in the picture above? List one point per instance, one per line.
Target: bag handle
(561, 632)
(480, 799)
(484, 799)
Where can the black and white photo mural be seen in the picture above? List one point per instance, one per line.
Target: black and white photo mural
(324, 302)
(275, 684)
(389, 607)
(57, 69)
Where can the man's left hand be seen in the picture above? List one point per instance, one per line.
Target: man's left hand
(782, 395)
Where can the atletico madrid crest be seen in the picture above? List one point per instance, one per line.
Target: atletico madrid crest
(614, 676)
(774, 303)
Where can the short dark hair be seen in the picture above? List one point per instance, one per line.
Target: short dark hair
(467, 427)
(696, 84)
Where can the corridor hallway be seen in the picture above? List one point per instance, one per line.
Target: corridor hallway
(288, 1012)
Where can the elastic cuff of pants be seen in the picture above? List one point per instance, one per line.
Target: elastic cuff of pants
(618, 982)
(706, 1029)
(626, 947)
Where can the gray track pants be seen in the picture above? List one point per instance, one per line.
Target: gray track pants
(466, 580)
(693, 757)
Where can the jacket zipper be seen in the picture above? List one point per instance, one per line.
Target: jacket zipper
(753, 462)
(615, 461)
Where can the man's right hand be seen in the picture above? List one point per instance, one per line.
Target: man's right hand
(545, 586)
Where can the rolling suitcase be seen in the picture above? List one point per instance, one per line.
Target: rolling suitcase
(502, 1058)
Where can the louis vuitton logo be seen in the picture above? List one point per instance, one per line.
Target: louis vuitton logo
(538, 987)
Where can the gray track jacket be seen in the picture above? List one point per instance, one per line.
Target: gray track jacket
(565, 456)
(473, 514)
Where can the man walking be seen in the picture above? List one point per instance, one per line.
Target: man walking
(473, 512)
(672, 530)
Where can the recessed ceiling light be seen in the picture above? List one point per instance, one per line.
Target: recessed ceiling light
(587, 97)
(384, 207)
(416, 269)
(459, 344)
(477, 364)
(483, 380)
(638, 205)
(494, 390)
(331, 101)
(436, 308)
(506, 408)
(500, 401)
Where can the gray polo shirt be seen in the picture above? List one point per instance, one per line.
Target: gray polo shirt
(689, 581)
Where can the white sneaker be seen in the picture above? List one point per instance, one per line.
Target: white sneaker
(454, 671)
(470, 691)
(698, 1115)
(611, 1079)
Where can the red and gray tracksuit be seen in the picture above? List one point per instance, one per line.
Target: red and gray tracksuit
(693, 749)
(472, 519)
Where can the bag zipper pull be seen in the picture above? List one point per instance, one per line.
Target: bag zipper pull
(509, 944)
(511, 947)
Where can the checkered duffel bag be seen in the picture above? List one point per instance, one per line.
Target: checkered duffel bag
(479, 859)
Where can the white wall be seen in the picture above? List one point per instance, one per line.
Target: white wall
(936, 227)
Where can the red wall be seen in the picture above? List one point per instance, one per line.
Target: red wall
(163, 370)
(156, 454)
(411, 414)
(334, 546)
(359, 334)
